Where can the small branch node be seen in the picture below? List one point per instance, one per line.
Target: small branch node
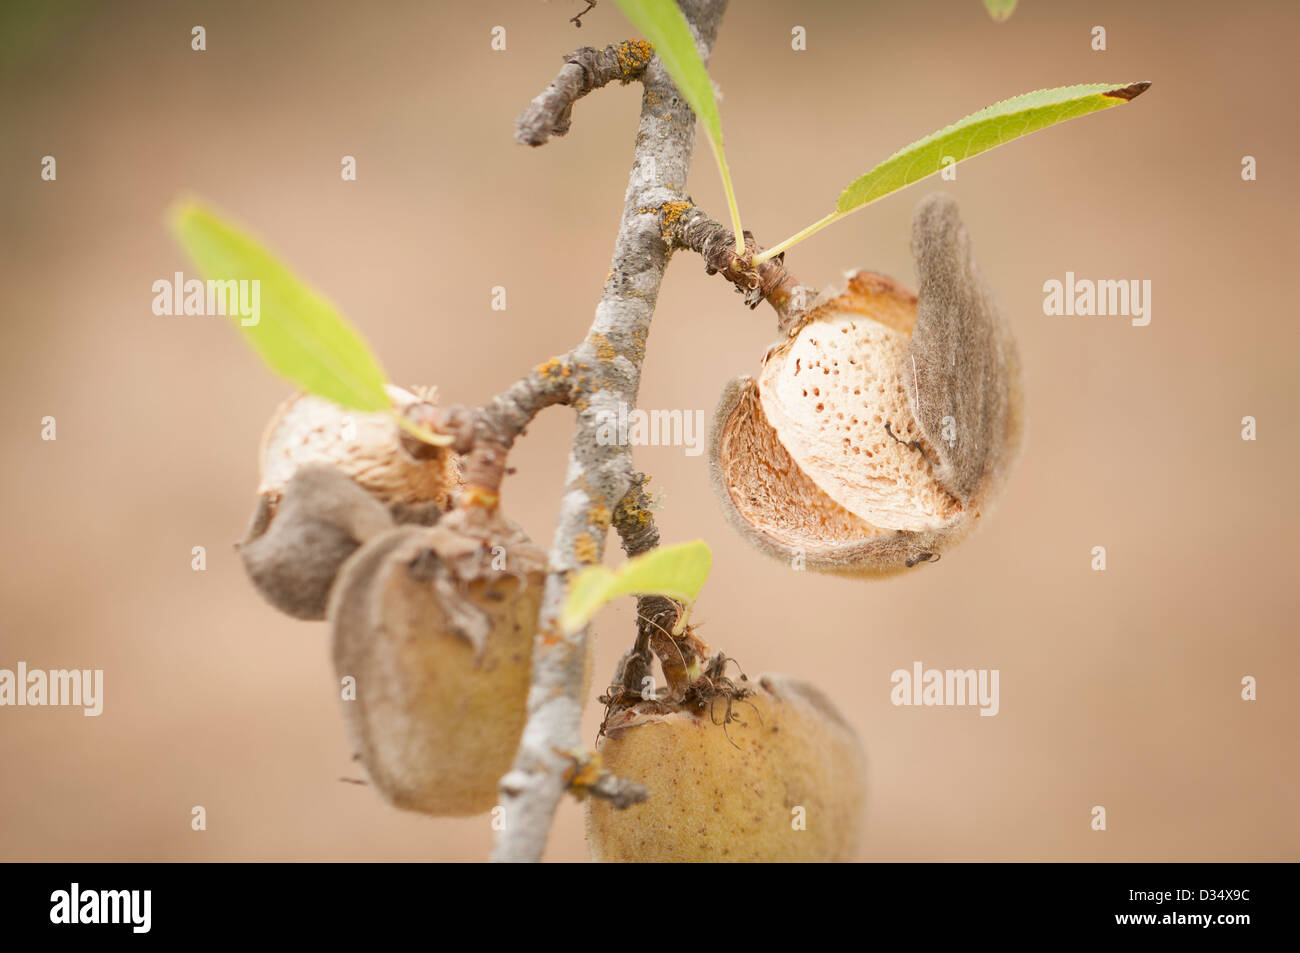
(687, 227)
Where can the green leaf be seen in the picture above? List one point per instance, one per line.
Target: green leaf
(677, 572)
(980, 132)
(662, 23)
(999, 10)
(297, 333)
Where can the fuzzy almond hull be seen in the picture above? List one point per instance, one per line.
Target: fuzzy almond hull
(792, 787)
(441, 657)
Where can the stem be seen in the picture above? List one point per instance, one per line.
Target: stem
(484, 435)
(769, 280)
(797, 237)
(732, 206)
(585, 69)
(599, 474)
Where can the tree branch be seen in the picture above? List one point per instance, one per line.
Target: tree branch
(687, 227)
(619, 792)
(584, 69)
(484, 435)
(608, 366)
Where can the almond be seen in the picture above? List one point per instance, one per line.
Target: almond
(878, 434)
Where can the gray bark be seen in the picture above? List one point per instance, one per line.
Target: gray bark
(599, 476)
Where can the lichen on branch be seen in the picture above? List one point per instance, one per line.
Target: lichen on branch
(585, 69)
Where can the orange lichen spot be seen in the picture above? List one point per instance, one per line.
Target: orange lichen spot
(630, 515)
(673, 211)
(478, 496)
(670, 217)
(584, 547)
(555, 369)
(599, 516)
(633, 55)
(604, 350)
(584, 771)
(640, 517)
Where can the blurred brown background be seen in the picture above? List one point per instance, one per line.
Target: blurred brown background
(1119, 688)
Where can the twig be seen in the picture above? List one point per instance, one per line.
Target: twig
(634, 519)
(656, 616)
(620, 792)
(484, 435)
(687, 227)
(587, 777)
(635, 524)
(584, 69)
(608, 365)
(577, 21)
